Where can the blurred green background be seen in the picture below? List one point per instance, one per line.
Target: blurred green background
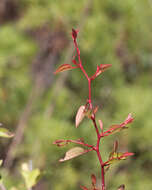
(35, 38)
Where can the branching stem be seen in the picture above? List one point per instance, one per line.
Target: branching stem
(84, 72)
(96, 148)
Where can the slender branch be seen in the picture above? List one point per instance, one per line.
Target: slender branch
(96, 127)
(89, 85)
(92, 117)
(81, 143)
(103, 178)
(98, 152)
(84, 72)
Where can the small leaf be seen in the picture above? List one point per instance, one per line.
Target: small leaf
(64, 67)
(5, 133)
(72, 153)
(93, 179)
(126, 154)
(114, 129)
(61, 142)
(80, 115)
(88, 112)
(128, 120)
(117, 156)
(95, 109)
(101, 69)
(121, 187)
(30, 176)
(101, 125)
(83, 187)
(74, 34)
(115, 146)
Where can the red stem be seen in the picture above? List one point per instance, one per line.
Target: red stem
(85, 73)
(96, 148)
(98, 152)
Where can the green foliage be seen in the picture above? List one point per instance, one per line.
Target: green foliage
(5, 133)
(30, 176)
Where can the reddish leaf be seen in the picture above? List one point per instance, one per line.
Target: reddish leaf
(72, 153)
(74, 34)
(74, 62)
(80, 115)
(95, 109)
(128, 120)
(114, 129)
(126, 154)
(64, 67)
(83, 187)
(117, 156)
(61, 142)
(93, 179)
(103, 67)
(101, 125)
(117, 128)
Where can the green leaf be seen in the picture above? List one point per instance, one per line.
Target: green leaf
(30, 176)
(73, 152)
(5, 133)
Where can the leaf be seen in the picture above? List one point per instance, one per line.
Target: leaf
(101, 125)
(115, 146)
(74, 34)
(72, 153)
(5, 133)
(95, 109)
(83, 187)
(114, 129)
(79, 116)
(88, 112)
(93, 179)
(101, 69)
(30, 176)
(61, 142)
(117, 156)
(128, 120)
(64, 67)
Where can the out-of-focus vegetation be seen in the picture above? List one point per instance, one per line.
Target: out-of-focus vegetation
(34, 40)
